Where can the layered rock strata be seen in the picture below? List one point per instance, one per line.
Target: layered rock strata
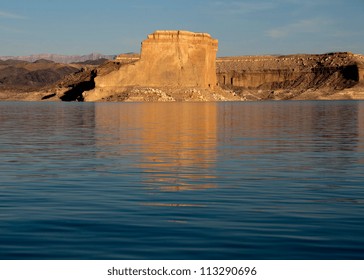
(291, 76)
(169, 60)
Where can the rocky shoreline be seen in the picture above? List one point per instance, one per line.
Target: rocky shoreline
(333, 76)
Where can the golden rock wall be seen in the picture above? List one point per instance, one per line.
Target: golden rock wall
(169, 59)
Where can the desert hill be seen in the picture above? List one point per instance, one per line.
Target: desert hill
(58, 58)
(22, 80)
(24, 76)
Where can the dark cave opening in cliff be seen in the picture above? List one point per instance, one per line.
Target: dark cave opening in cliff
(351, 72)
(76, 92)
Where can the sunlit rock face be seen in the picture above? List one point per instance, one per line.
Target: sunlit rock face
(169, 59)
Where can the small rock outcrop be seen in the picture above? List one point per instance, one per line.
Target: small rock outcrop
(169, 60)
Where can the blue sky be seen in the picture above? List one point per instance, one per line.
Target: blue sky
(243, 27)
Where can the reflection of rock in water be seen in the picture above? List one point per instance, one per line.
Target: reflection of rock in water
(263, 125)
(175, 142)
(315, 130)
(360, 132)
(336, 127)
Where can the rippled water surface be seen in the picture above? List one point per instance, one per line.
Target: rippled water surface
(275, 180)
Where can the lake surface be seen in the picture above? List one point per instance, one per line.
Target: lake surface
(269, 180)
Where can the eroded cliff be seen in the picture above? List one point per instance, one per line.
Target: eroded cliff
(293, 76)
(170, 61)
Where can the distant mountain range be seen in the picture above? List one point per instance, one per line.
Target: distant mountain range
(59, 58)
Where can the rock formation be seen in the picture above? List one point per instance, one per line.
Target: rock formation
(182, 66)
(169, 60)
(291, 76)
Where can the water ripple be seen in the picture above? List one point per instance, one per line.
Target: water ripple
(270, 180)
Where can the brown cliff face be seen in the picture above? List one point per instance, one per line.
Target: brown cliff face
(290, 77)
(169, 60)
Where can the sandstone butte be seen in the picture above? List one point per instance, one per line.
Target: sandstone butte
(171, 64)
(182, 66)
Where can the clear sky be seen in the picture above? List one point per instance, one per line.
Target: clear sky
(243, 27)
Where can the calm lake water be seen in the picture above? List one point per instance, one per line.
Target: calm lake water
(270, 180)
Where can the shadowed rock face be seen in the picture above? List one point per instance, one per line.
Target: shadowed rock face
(169, 59)
(23, 76)
(303, 76)
(333, 70)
